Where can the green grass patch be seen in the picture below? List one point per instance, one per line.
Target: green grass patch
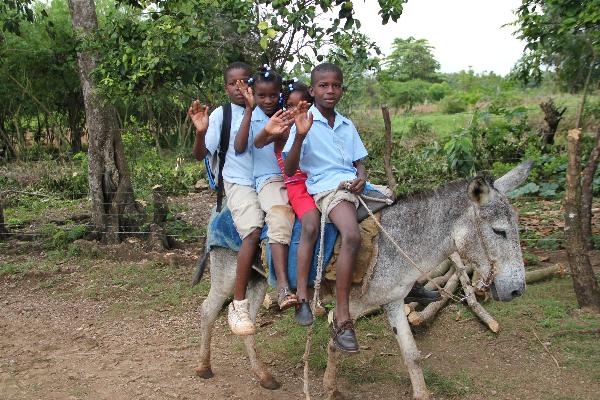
(142, 287)
(551, 310)
(447, 386)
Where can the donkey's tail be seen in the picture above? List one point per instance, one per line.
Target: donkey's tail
(200, 269)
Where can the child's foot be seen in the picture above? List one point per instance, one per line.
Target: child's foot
(285, 298)
(344, 337)
(239, 320)
(304, 316)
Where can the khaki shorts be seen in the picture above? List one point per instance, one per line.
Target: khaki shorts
(279, 217)
(331, 198)
(248, 209)
(245, 209)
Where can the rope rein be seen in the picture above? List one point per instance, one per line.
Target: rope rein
(362, 198)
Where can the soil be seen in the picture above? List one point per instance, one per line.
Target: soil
(57, 346)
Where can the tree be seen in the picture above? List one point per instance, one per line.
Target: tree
(110, 186)
(406, 94)
(560, 34)
(565, 35)
(411, 59)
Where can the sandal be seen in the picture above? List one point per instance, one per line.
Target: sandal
(285, 298)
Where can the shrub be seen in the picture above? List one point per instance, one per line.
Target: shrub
(453, 104)
(438, 91)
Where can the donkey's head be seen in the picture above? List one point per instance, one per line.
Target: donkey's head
(488, 235)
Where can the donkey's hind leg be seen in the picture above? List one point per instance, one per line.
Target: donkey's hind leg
(255, 294)
(412, 355)
(222, 280)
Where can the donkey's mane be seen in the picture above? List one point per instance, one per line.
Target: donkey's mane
(441, 191)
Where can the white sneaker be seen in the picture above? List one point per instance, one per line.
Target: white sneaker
(239, 320)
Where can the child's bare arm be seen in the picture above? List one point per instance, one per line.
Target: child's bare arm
(198, 113)
(303, 121)
(241, 139)
(358, 185)
(276, 129)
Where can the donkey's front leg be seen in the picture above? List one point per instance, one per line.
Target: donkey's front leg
(256, 294)
(412, 355)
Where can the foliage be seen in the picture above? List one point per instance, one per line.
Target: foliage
(411, 59)
(562, 34)
(453, 104)
(438, 91)
(491, 136)
(406, 94)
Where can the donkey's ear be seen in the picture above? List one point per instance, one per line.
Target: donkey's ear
(513, 178)
(479, 191)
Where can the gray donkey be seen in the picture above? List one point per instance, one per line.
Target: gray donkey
(472, 218)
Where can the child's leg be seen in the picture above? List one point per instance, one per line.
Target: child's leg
(308, 237)
(248, 218)
(280, 219)
(280, 255)
(245, 259)
(343, 216)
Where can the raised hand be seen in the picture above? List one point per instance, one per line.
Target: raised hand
(246, 92)
(279, 123)
(198, 113)
(302, 118)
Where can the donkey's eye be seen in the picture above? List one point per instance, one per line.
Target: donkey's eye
(500, 232)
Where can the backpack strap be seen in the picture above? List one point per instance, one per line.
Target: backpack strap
(223, 147)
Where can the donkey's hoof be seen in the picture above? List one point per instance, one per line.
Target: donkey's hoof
(204, 373)
(270, 383)
(336, 395)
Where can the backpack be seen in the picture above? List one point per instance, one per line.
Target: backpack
(214, 162)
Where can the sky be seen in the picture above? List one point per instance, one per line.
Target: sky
(463, 32)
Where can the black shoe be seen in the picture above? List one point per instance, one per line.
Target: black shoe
(344, 337)
(421, 295)
(304, 315)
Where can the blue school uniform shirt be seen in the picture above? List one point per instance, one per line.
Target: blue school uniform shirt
(238, 167)
(327, 153)
(264, 160)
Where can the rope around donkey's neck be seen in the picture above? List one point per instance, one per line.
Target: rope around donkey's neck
(324, 214)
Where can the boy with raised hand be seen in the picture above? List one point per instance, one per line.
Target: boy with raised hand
(239, 185)
(330, 151)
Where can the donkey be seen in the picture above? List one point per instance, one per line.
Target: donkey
(472, 218)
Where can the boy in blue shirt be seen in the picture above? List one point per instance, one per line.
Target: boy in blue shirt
(239, 186)
(331, 152)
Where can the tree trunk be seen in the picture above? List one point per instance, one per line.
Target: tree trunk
(387, 152)
(552, 117)
(110, 186)
(587, 194)
(75, 131)
(585, 285)
(3, 231)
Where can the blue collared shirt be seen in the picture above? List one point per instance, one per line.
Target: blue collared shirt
(238, 167)
(327, 153)
(265, 162)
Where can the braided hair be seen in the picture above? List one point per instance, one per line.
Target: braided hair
(294, 85)
(264, 73)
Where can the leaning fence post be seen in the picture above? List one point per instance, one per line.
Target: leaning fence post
(387, 151)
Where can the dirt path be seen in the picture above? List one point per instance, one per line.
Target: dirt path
(53, 347)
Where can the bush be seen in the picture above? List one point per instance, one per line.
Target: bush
(417, 127)
(438, 91)
(453, 104)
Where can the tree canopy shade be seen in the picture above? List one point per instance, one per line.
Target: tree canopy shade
(561, 34)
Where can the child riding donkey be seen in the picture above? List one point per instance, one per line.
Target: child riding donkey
(327, 147)
(247, 204)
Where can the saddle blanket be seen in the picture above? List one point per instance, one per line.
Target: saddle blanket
(221, 232)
